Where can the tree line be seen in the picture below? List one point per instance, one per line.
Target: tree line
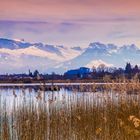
(100, 73)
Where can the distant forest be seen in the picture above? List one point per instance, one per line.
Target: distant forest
(100, 74)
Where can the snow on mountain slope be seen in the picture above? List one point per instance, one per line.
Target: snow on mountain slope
(32, 50)
(20, 63)
(96, 63)
(69, 53)
(18, 47)
(13, 44)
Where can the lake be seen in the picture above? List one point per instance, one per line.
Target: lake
(68, 113)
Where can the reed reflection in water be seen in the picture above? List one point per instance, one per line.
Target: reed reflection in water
(28, 114)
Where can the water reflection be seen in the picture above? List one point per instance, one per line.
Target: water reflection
(63, 97)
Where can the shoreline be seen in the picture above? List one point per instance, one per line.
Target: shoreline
(60, 84)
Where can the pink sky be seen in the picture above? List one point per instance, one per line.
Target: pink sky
(71, 21)
(46, 10)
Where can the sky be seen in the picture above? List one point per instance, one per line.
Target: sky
(71, 22)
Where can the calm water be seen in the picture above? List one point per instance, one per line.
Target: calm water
(63, 97)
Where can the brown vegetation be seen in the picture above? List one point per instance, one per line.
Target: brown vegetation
(111, 114)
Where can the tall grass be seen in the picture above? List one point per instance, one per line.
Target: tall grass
(103, 113)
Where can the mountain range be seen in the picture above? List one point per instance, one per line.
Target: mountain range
(18, 56)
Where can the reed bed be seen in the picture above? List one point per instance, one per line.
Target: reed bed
(105, 112)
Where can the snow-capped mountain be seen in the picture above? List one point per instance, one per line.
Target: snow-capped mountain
(18, 47)
(108, 54)
(18, 56)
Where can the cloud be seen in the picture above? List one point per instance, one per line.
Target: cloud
(69, 10)
(71, 21)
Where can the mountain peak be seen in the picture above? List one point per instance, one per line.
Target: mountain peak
(13, 44)
(132, 47)
(97, 45)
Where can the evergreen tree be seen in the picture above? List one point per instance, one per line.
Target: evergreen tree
(30, 73)
(128, 68)
(136, 69)
(36, 73)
